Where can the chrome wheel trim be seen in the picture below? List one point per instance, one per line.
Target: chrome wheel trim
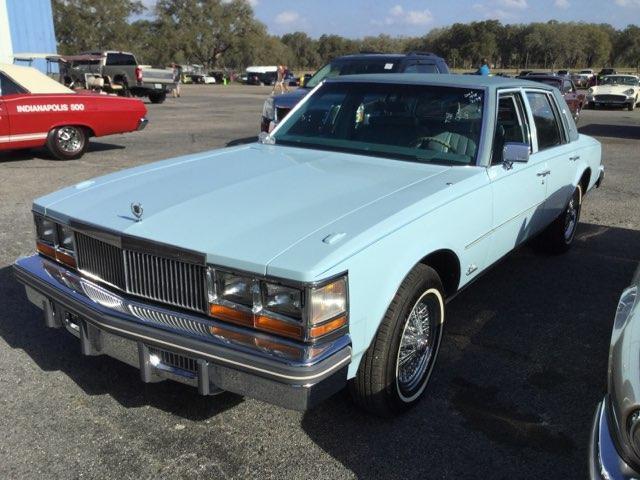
(571, 217)
(69, 140)
(418, 346)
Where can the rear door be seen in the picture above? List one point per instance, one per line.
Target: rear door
(519, 189)
(555, 149)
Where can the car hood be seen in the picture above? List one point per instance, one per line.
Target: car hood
(290, 99)
(611, 89)
(241, 206)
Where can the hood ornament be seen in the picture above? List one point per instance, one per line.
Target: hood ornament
(136, 209)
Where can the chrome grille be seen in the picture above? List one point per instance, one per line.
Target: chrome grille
(100, 260)
(611, 98)
(178, 283)
(164, 280)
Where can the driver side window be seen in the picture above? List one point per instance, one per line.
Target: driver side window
(511, 125)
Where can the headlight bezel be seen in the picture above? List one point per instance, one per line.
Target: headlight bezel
(629, 92)
(50, 245)
(261, 316)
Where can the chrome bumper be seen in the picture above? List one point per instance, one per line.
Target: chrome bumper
(210, 355)
(142, 123)
(600, 176)
(604, 461)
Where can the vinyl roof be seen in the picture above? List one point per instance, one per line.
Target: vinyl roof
(33, 80)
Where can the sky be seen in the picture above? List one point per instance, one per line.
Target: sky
(358, 18)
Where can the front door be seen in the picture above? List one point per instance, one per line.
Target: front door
(519, 189)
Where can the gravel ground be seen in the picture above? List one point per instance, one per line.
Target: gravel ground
(521, 370)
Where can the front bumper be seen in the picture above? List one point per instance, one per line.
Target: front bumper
(604, 461)
(192, 349)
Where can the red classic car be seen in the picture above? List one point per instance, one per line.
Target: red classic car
(37, 111)
(575, 100)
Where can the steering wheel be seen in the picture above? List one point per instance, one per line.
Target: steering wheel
(422, 140)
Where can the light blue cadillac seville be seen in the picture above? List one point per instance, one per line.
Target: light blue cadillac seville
(322, 256)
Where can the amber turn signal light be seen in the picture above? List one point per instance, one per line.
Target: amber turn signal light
(46, 249)
(66, 259)
(330, 326)
(231, 315)
(280, 327)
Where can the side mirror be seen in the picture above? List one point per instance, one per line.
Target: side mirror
(515, 152)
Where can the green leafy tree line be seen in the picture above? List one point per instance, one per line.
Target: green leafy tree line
(225, 33)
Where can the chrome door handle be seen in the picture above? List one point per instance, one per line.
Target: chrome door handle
(544, 173)
(574, 158)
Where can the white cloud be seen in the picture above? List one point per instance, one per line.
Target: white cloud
(398, 15)
(513, 4)
(563, 4)
(288, 17)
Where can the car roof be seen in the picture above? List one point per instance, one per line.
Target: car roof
(469, 81)
(33, 80)
(395, 56)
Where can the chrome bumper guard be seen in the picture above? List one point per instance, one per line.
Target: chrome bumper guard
(199, 351)
(604, 461)
(142, 123)
(600, 176)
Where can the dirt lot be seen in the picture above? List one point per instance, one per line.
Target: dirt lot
(522, 367)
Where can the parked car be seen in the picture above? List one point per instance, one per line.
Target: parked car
(387, 194)
(258, 75)
(575, 100)
(584, 78)
(118, 72)
(615, 90)
(276, 108)
(37, 111)
(563, 73)
(523, 73)
(614, 451)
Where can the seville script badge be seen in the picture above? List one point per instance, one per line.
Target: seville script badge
(136, 209)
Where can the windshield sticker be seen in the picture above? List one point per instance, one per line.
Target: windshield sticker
(388, 66)
(472, 97)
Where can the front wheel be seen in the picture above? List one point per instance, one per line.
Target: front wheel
(68, 142)
(558, 237)
(395, 370)
(631, 106)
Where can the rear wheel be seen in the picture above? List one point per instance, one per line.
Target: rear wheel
(157, 97)
(558, 237)
(395, 370)
(68, 142)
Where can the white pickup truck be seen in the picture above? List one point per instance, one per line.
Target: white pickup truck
(118, 72)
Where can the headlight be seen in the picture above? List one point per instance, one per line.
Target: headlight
(283, 300)
(268, 109)
(45, 230)
(629, 92)
(55, 241)
(65, 238)
(625, 306)
(296, 311)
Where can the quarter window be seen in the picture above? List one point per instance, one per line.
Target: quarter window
(9, 87)
(545, 119)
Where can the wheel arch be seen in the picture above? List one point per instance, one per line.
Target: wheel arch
(447, 265)
(585, 181)
(90, 131)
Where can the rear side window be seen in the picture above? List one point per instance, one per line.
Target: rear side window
(545, 119)
(9, 87)
(421, 68)
(120, 59)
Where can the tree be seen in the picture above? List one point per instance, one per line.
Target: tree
(83, 25)
(206, 29)
(304, 49)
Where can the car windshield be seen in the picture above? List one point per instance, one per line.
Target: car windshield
(620, 80)
(353, 67)
(423, 123)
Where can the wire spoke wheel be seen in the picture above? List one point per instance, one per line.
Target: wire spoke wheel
(571, 219)
(418, 345)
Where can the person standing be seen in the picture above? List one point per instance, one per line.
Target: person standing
(280, 80)
(484, 68)
(175, 91)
